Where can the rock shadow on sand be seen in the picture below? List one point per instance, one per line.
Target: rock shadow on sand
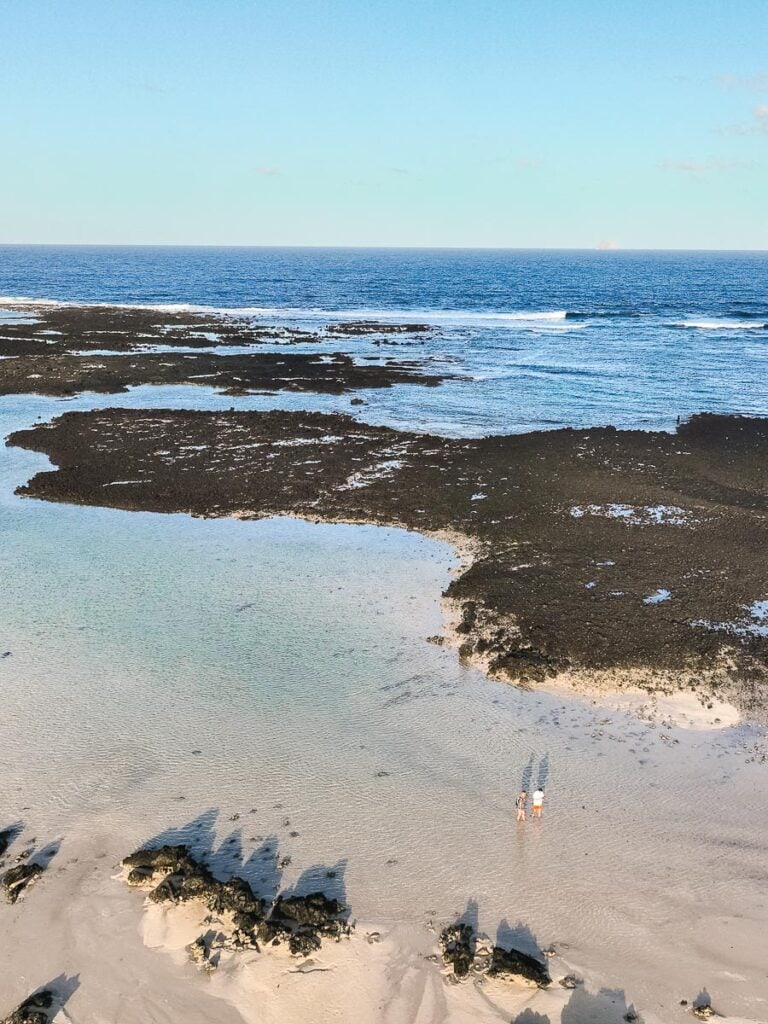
(519, 937)
(531, 1017)
(608, 1006)
(46, 1001)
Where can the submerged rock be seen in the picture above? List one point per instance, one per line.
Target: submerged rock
(18, 880)
(33, 1010)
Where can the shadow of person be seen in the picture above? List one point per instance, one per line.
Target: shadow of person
(543, 774)
(525, 782)
(608, 1006)
(518, 937)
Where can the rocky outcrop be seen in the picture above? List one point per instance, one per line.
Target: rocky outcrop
(362, 327)
(463, 954)
(34, 1010)
(17, 880)
(245, 920)
(457, 942)
(511, 963)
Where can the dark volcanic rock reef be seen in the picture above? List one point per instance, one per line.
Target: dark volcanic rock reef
(603, 555)
(233, 374)
(244, 920)
(62, 350)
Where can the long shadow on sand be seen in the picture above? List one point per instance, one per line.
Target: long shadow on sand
(262, 866)
(59, 992)
(608, 1006)
(518, 936)
(531, 1017)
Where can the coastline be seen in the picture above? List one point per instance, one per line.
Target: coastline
(558, 587)
(106, 934)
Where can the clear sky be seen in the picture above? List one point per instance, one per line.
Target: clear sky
(639, 123)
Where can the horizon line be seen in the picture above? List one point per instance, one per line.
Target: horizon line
(423, 248)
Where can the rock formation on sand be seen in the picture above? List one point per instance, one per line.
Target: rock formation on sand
(464, 954)
(245, 920)
(18, 879)
(33, 1010)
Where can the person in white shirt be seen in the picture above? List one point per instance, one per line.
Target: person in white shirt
(538, 802)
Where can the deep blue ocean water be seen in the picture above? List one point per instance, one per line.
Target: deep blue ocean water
(538, 338)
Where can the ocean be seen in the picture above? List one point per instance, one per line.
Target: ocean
(535, 339)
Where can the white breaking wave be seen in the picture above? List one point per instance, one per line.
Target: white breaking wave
(447, 316)
(721, 325)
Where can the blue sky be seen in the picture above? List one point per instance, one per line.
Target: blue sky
(635, 123)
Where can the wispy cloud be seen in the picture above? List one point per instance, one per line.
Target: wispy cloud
(699, 167)
(757, 83)
(606, 245)
(149, 86)
(269, 172)
(756, 125)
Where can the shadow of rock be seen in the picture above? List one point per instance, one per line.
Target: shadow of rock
(262, 869)
(63, 988)
(322, 878)
(470, 916)
(518, 936)
(702, 1006)
(8, 834)
(43, 1005)
(608, 1006)
(199, 835)
(531, 1017)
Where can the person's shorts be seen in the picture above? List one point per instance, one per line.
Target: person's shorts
(537, 807)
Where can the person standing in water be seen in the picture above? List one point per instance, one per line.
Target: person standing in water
(520, 805)
(538, 802)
